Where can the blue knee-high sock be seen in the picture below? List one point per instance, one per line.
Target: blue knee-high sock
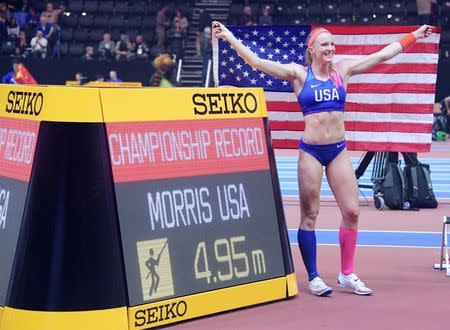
(307, 243)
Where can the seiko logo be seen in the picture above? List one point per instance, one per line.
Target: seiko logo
(160, 313)
(25, 103)
(224, 103)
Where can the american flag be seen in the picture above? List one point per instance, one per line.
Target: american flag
(389, 108)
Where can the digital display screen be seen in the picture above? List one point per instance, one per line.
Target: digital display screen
(196, 206)
(17, 146)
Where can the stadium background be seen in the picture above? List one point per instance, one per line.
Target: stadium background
(82, 23)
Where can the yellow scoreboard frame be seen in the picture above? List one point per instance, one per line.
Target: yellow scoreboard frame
(100, 111)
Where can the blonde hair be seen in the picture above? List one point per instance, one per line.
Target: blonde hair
(334, 76)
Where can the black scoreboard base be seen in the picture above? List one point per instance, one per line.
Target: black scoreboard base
(155, 314)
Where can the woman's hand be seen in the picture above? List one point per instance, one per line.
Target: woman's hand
(220, 31)
(423, 32)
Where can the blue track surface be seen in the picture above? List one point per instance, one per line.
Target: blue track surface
(379, 238)
(287, 172)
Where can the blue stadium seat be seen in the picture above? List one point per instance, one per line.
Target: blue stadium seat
(148, 23)
(122, 8)
(381, 8)
(76, 49)
(298, 21)
(75, 6)
(398, 8)
(86, 20)
(81, 35)
(70, 21)
(106, 7)
(101, 21)
(315, 9)
(298, 10)
(90, 6)
(96, 35)
(133, 22)
(116, 21)
(330, 8)
(63, 49)
(66, 34)
(346, 9)
(411, 7)
(366, 10)
(398, 20)
(345, 20)
(139, 8)
(330, 20)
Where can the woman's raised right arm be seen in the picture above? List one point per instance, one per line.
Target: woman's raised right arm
(277, 70)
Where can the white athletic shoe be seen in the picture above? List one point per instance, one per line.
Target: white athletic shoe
(318, 287)
(353, 282)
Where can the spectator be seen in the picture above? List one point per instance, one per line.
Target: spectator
(39, 45)
(4, 17)
(162, 24)
(21, 13)
(9, 77)
(52, 13)
(44, 26)
(265, 18)
(99, 77)
(88, 54)
(247, 18)
(21, 45)
(424, 11)
(446, 109)
(205, 50)
(182, 20)
(5, 12)
(32, 19)
(177, 39)
(13, 29)
(124, 48)
(163, 65)
(106, 48)
(113, 77)
(141, 48)
(80, 78)
(204, 19)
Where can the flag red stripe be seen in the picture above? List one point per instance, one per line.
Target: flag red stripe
(389, 88)
(358, 126)
(276, 125)
(387, 108)
(404, 68)
(388, 146)
(284, 144)
(359, 107)
(428, 48)
(373, 29)
(363, 146)
(282, 106)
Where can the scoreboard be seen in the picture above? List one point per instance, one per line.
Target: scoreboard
(134, 208)
(198, 200)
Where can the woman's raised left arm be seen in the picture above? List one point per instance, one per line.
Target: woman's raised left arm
(350, 67)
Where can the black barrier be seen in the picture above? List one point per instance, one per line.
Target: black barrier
(68, 257)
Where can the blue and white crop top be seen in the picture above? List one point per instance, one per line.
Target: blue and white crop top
(321, 96)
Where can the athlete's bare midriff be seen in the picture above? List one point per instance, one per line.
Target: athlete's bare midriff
(324, 127)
